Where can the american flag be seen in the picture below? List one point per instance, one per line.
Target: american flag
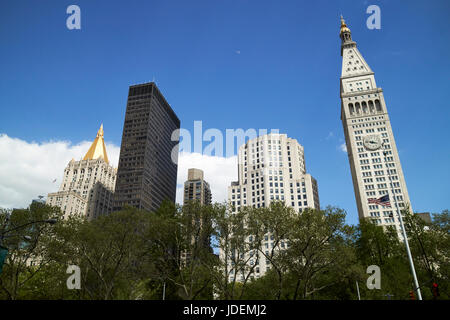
(384, 201)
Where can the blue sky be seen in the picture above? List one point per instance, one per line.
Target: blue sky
(276, 64)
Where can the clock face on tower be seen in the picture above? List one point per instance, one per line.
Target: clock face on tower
(372, 142)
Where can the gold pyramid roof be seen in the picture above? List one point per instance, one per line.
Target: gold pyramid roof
(98, 148)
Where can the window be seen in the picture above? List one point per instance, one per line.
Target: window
(378, 105)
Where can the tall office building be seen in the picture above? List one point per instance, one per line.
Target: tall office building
(196, 188)
(272, 167)
(371, 148)
(88, 185)
(147, 174)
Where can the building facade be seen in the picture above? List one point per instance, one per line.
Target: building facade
(372, 151)
(196, 188)
(87, 187)
(272, 167)
(147, 172)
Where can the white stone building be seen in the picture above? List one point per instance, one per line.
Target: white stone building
(372, 152)
(87, 187)
(272, 167)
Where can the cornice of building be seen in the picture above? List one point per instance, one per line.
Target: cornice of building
(359, 93)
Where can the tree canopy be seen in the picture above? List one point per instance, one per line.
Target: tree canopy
(206, 252)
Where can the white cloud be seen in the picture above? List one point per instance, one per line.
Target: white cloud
(218, 172)
(343, 147)
(28, 169)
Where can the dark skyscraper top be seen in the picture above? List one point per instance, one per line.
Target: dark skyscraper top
(147, 174)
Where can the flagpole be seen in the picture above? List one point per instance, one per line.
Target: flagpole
(357, 289)
(405, 238)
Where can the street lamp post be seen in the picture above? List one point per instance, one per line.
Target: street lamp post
(405, 238)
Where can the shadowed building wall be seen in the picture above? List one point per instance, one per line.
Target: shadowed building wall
(147, 172)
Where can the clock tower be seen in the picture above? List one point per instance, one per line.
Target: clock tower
(372, 152)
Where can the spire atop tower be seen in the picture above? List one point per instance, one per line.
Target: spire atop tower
(345, 33)
(100, 131)
(353, 62)
(344, 27)
(98, 148)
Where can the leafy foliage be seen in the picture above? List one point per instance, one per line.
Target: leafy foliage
(206, 252)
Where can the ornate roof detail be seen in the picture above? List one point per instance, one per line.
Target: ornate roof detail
(98, 148)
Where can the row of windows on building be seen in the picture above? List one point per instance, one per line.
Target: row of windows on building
(271, 184)
(386, 221)
(270, 159)
(362, 97)
(365, 107)
(89, 173)
(260, 143)
(268, 153)
(370, 124)
(275, 178)
(276, 146)
(383, 135)
(368, 119)
(386, 213)
(378, 166)
(391, 185)
(383, 192)
(381, 129)
(375, 160)
(376, 173)
(360, 68)
(277, 165)
(360, 83)
(259, 202)
(373, 154)
(379, 185)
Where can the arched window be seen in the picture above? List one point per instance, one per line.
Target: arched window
(364, 107)
(358, 108)
(378, 105)
(351, 108)
(371, 107)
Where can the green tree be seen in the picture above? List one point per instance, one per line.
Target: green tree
(430, 244)
(319, 253)
(275, 223)
(178, 242)
(232, 270)
(380, 246)
(24, 232)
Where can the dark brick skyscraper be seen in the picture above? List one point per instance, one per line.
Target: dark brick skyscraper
(147, 174)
